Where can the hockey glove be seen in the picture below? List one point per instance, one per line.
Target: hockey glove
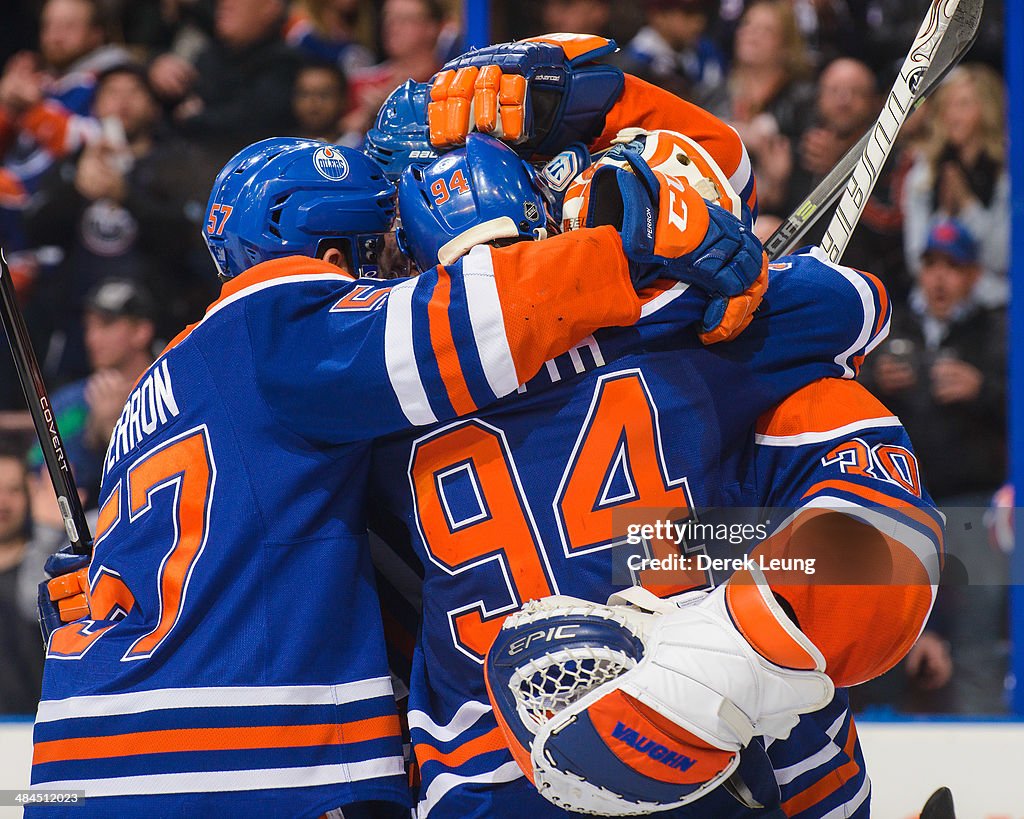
(65, 597)
(670, 231)
(540, 94)
(621, 710)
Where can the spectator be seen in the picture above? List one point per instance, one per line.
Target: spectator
(239, 88)
(319, 100)
(577, 16)
(120, 206)
(60, 79)
(768, 95)
(673, 50)
(848, 101)
(942, 372)
(409, 31)
(156, 26)
(962, 174)
(119, 338)
(21, 669)
(325, 31)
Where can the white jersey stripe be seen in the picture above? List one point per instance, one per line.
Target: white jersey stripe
(225, 781)
(256, 288)
(136, 702)
(848, 808)
(663, 299)
(919, 543)
(867, 298)
(786, 775)
(509, 772)
(466, 717)
(741, 177)
(803, 438)
(400, 356)
(485, 316)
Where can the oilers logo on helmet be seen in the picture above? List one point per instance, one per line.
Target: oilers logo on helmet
(330, 164)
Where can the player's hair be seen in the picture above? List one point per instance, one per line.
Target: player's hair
(990, 92)
(314, 64)
(796, 57)
(10, 450)
(98, 16)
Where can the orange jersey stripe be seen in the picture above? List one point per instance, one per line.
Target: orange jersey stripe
(485, 743)
(48, 123)
(828, 784)
(821, 406)
(110, 513)
(545, 315)
(214, 739)
(263, 272)
(881, 499)
(443, 342)
(883, 299)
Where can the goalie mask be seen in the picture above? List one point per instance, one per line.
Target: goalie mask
(587, 202)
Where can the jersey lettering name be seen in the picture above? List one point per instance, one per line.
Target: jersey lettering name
(150, 406)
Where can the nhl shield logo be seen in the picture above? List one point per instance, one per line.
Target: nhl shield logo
(330, 164)
(530, 211)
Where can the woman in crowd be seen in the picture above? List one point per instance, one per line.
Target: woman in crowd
(961, 173)
(768, 93)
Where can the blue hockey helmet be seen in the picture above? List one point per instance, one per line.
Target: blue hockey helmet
(400, 136)
(482, 192)
(284, 196)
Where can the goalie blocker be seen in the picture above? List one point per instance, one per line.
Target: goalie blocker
(655, 700)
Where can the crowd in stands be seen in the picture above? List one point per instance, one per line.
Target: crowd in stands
(115, 115)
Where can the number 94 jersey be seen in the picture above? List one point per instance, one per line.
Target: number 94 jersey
(535, 495)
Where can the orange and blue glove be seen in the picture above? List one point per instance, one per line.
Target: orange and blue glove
(65, 596)
(669, 231)
(538, 95)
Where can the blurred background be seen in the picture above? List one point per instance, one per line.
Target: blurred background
(115, 115)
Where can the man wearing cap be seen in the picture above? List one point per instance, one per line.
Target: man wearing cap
(118, 319)
(942, 372)
(120, 205)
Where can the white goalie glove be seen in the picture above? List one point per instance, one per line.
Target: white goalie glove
(644, 705)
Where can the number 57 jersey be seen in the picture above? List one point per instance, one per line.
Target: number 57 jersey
(234, 653)
(534, 495)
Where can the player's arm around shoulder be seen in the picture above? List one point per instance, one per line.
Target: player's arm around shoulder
(341, 359)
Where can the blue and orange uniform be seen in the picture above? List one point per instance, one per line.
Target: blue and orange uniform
(233, 654)
(535, 496)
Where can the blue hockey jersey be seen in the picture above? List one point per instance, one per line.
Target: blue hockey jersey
(535, 496)
(234, 655)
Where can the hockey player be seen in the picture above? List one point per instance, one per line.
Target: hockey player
(229, 653)
(537, 495)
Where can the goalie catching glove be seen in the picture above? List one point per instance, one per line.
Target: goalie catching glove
(622, 709)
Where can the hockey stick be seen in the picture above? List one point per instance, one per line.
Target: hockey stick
(43, 417)
(887, 127)
(961, 35)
